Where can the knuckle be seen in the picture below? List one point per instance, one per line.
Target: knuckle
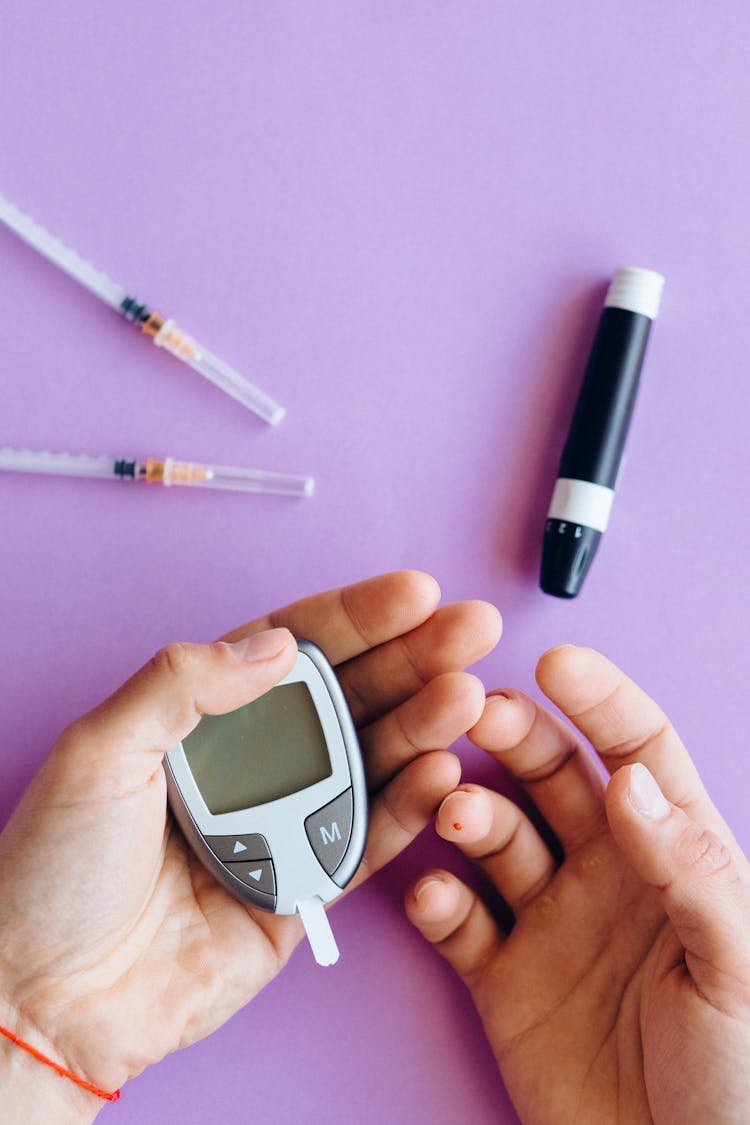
(220, 650)
(71, 736)
(173, 659)
(348, 600)
(80, 731)
(703, 852)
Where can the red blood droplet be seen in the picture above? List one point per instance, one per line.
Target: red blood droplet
(457, 826)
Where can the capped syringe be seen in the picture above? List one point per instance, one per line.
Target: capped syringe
(165, 333)
(166, 471)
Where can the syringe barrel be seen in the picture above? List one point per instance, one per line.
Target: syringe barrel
(66, 259)
(57, 464)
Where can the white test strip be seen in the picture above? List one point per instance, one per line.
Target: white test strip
(318, 930)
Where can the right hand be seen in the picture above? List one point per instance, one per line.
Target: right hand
(622, 993)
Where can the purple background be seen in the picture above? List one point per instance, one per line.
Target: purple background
(399, 219)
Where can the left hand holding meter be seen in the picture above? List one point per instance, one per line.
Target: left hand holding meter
(151, 952)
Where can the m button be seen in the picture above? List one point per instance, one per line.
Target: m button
(329, 829)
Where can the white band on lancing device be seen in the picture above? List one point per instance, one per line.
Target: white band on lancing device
(580, 501)
(318, 930)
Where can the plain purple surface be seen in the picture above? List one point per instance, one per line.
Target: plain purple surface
(400, 220)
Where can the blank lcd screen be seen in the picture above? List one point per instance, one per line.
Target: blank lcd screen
(269, 749)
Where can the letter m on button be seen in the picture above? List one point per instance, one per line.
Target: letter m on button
(330, 834)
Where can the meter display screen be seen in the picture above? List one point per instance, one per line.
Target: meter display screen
(269, 749)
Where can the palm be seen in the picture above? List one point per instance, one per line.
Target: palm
(596, 1010)
(165, 943)
(572, 977)
(199, 953)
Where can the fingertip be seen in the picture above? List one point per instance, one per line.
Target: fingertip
(433, 898)
(493, 622)
(435, 774)
(427, 780)
(419, 586)
(554, 657)
(505, 720)
(442, 774)
(475, 698)
(643, 823)
(616, 793)
(617, 806)
(568, 671)
(452, 918)
(633, 790)
(450, 766)
(479, 622)
(460, 697)
(465, 815)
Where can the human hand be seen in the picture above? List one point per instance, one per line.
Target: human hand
(116, 945)
(622, 992)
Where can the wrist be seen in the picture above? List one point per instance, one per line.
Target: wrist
(32, 1093)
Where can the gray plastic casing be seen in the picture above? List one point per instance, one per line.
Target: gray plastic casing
(298, 873)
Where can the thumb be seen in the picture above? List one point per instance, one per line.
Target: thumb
(117, 748)
(703, 883)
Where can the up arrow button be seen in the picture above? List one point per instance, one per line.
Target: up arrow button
(252, 847)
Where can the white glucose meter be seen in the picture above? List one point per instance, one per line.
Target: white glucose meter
(272, 797)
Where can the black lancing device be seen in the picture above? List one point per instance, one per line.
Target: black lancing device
(592, 456)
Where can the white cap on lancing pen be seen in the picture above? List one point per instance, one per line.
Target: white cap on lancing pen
(636, 289)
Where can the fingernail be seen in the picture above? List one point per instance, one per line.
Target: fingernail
(261, 646)
(645, 795)
(425, 886)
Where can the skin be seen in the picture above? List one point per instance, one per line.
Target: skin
(622, 992)
(125, 948)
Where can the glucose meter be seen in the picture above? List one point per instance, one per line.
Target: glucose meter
(272, 797)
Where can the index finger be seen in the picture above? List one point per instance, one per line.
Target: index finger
(352, 619)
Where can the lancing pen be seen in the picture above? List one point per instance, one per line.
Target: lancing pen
(592, 456)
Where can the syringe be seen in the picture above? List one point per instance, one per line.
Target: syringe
(164, 333)
(165, 471)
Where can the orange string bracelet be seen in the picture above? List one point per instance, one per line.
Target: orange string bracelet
(60, 1069)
